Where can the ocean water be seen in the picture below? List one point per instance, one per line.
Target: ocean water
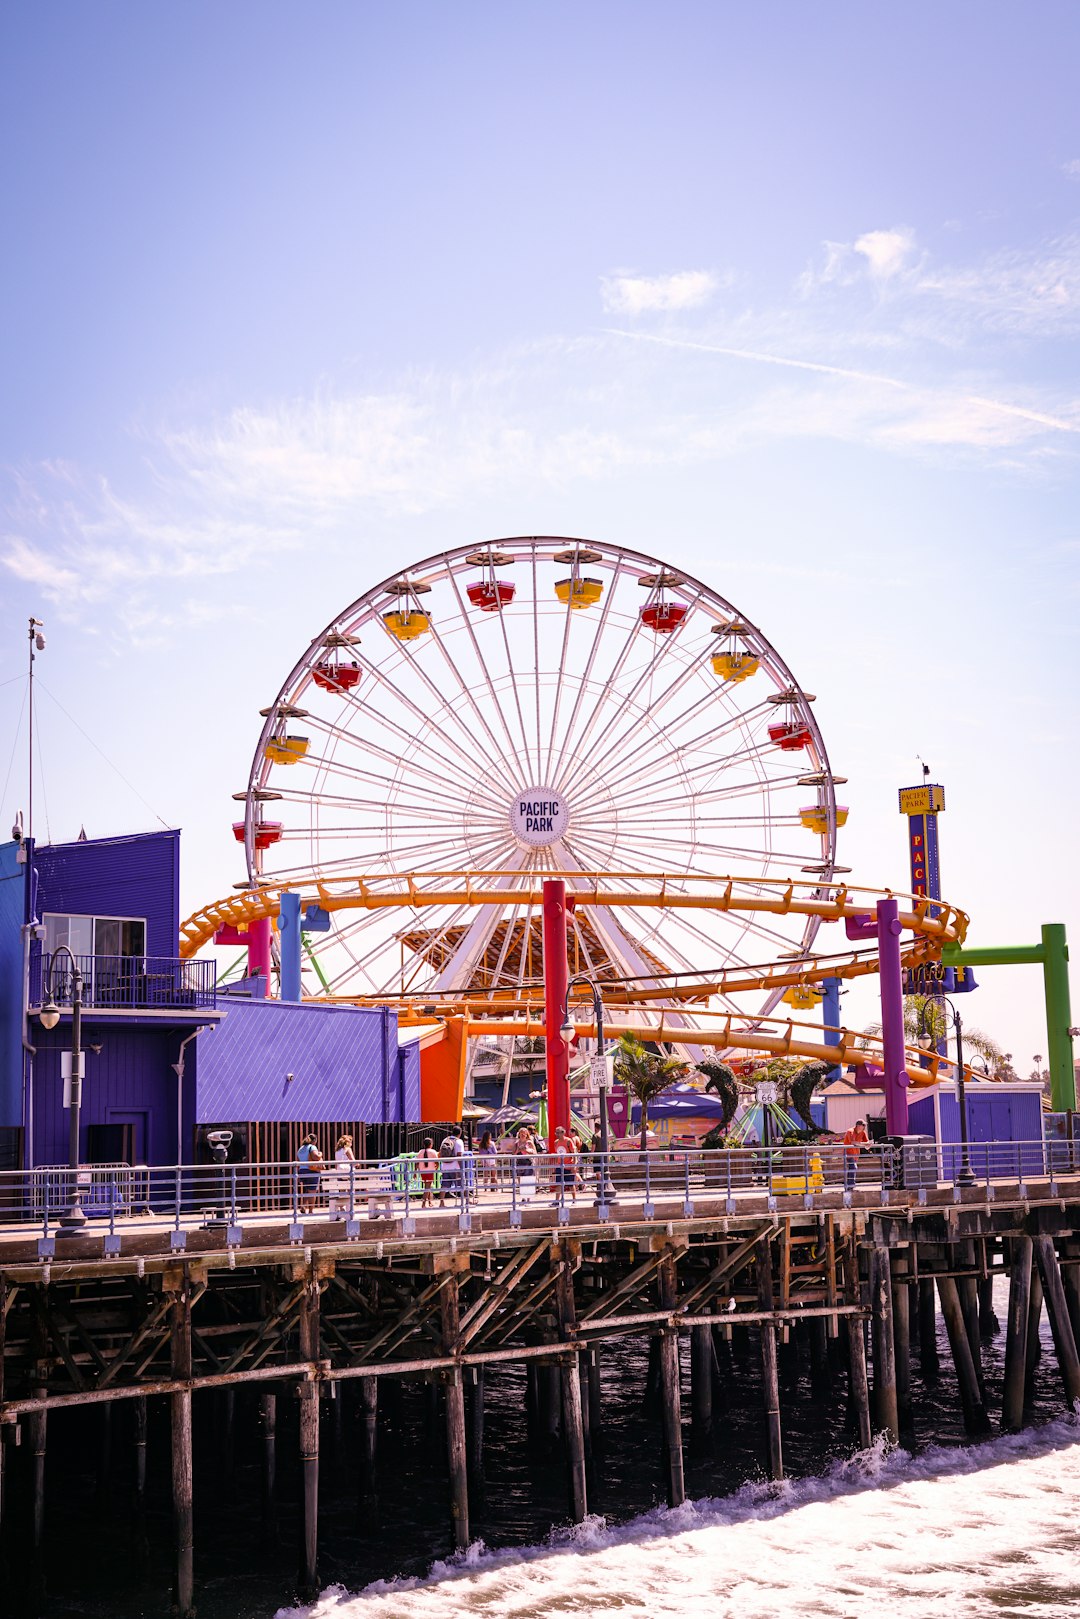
(986, 1530)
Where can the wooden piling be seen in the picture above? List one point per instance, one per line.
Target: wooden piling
(456, 1453)
(1012, 1407)
(268, 1421)
(670, 1386)
(1034, 1341)
(967, 1288)
(989, 1325)
(570, 1384)
(884, 1342)
(820, 1365)
(971, 1398)
(929, 1362)
(701, 1389)
(858, 1387)
(309, 1444)
(1057, 1311)
(1070, 1278)
(369, 1442)
(182, 1474)
(901, 1303)
(774, 1449)
(596, 1410)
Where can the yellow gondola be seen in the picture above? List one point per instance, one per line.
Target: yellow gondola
(286, 750)
(803, 996)
(579, 592)
(735, 665)
(815, 817)
(406, 626)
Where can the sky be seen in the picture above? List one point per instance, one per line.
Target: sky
(786, 295)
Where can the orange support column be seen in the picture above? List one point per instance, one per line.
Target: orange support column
(556, 979)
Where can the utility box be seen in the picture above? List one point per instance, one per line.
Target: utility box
(915, 1159)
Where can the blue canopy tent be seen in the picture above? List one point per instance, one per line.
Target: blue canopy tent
(681, 1102)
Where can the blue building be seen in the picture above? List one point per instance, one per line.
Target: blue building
(166, 1056)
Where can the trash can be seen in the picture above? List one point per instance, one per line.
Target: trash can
(915, 1160)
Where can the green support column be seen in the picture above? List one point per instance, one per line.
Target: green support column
(1053, 955)
(1059, 1047)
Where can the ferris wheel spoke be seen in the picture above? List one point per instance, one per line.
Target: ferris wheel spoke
(507, 761)
(490, 684)
(436, 776)
(471, 746)
(645, 679)
(585, 678)
(714, 736)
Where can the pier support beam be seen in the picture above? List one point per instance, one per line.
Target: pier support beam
(1058, 1312)
(929, 1362)
(570, 1379)
(901, 1302)
(881, 1306)
(369, 1440)
(701, 1389)
(1034, 1342)
(770, 1388)
(971, 1399)
(268, 1420)
(670, 1387)
(456, 1455)
(858, 1388)
(309, 1445)
(1012, 1406)
(182, 1477)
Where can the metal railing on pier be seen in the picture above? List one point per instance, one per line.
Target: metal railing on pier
(115, 1201)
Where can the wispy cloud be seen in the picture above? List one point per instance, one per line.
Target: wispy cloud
(879, 350)
(626, 294)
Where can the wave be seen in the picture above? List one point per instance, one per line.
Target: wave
(950, 1531)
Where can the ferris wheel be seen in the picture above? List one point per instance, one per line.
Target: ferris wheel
(530, 706)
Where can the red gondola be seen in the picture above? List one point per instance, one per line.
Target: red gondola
(336, 676)
(790, 736)
(663, 616)
(266, 833)
(491, 594)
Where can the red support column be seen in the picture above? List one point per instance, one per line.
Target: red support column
(556, 977)
(259, 936)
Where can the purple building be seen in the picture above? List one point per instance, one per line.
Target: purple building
(155, 1076)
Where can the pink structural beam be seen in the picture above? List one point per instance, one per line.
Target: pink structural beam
(556, 982)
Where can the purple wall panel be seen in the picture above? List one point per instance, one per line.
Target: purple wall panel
(344, 1063)
(130, 1079)
(134, 876)
(408, 1111)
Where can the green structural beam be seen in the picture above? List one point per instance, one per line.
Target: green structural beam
(1053, 956)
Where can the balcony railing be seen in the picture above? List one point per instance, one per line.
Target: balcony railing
(126, 983)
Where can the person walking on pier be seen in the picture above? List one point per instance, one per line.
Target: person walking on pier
(341, 1178)
(427, 1159)
(311, 1163)
(489, 1168)
(451, 1153)
(854, 1141)
(565, 1165)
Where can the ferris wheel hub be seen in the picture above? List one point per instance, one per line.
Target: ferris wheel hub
(539, 817)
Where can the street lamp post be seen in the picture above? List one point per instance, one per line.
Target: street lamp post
(73, 1219)
(966, 1177)
(605, 1190)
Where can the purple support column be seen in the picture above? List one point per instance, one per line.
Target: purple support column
(892, 1018)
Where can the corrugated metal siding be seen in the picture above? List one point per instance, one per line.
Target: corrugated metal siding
(132, 1074)
(344, 1062)
(136, 876)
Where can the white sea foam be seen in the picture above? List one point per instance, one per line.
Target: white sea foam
(990, 1530)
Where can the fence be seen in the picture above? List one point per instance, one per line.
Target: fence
(116, 1199)
(115, 983)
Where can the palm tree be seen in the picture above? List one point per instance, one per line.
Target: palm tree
(924, 1014)
(645, 1074)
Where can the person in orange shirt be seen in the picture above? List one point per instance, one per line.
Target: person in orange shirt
(855, 1140)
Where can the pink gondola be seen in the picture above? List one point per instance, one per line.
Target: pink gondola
(336, 676)
(790, 736)
(663, 616)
